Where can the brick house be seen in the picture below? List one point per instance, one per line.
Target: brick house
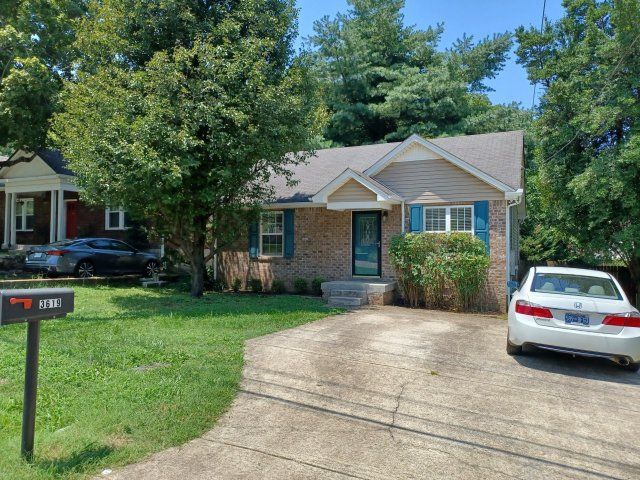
(337, 220)
(41, 204)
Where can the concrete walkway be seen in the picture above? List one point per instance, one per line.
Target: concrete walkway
(398, 393)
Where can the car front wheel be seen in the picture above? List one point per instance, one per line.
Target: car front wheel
(85, 269)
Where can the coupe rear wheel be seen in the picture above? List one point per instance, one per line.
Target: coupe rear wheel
(151, 269)
(85, 269)
(513, 349)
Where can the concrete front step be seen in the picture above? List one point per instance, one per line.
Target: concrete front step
(345, 301)
(349, 293)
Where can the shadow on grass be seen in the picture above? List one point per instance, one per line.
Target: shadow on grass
(172, 302)
(77, 462)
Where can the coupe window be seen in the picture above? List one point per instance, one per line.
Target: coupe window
(581, 285)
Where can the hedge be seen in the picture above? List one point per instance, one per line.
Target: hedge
(445, 270)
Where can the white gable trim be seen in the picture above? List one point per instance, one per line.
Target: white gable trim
(323, 195)
(417, 139)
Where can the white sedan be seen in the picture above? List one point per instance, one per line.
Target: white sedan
(575, 311)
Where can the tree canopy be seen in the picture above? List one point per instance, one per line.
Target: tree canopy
(588, 130)
(183, 115)
(36, 55)
(384, 80)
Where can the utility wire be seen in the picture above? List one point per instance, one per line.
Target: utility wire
(602, 93)
(535, 84)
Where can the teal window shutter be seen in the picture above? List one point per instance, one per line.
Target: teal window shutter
(254, 240)
(415, 218)
(288, 233)
(481, 221)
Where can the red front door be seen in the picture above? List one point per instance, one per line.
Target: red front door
(72, 219)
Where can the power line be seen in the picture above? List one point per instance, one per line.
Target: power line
(602, 94)
(535, 84)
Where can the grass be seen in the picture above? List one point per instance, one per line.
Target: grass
(130, 372)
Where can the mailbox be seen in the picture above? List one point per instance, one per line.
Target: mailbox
(31, 306)
(18, 306)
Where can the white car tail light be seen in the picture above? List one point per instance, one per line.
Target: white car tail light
(527, 308)
(628, 319)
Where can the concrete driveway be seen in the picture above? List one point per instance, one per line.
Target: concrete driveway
(397, 393)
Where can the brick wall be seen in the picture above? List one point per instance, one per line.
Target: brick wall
(91, 220)
(497, 280)
(323, 249)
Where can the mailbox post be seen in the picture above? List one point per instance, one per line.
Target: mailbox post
(31, 306)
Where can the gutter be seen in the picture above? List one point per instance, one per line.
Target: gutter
(513, 199)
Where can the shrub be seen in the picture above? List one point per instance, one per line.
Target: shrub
(212, 283)
(277, 286)
(255, 285)
(300, 285)
(236, 284)
(316, 285)
(440, 269)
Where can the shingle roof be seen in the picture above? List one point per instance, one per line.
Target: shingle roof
(499, 155)
(55, 160)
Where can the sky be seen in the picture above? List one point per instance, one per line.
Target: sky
(473, 17)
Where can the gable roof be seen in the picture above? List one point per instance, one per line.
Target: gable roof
(53, 158)
(383, 192)
(498, 155)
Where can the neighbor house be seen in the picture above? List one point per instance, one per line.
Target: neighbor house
(336, 222)
(41, 204)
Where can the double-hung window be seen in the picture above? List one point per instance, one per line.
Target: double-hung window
(458, 218)
(272, 233)
(24, 215)
(116, 218)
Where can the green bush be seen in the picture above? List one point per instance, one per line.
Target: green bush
(316, 285)
(212, 283)
(277, 286)
(255, 285)
(236, 284)
(300, 285)
(441, 270)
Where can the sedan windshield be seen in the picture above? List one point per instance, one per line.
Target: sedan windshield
(582, 285)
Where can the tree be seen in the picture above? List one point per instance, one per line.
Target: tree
(588, 128)
(186, 131)
(36, 54)
(384, 81)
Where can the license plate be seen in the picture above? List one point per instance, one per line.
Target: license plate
(579, 318)
(36, 256)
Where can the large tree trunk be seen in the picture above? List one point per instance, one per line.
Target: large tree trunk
(634, 270)
(197, 262)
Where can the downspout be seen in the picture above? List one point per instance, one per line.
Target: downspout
(515, 200)
(402, 226)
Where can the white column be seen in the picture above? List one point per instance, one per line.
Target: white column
(12, 221)
(61, 233)
(52, 218)
(7, 217)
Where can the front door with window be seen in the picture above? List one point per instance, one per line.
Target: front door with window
(366, 255)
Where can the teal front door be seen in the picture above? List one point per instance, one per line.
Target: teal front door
(366, 244)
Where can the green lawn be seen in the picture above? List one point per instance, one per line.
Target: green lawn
(97, 409)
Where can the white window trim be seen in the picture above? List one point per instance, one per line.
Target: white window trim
(448, 218)
(121, 225)
(272, 255)
(24, 214)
